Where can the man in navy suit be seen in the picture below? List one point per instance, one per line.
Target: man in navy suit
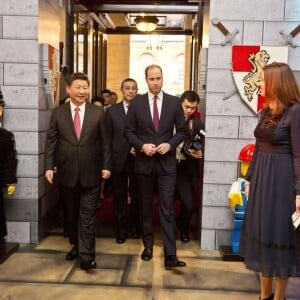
(155, 126)
(123, 179)
(77, 143)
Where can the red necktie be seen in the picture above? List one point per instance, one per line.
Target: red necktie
(155, 113)
(77, 124)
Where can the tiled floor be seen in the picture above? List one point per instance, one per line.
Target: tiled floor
(41, 272)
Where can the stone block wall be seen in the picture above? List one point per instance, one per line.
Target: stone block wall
(26, 113)
(19, 85)
(230, 123)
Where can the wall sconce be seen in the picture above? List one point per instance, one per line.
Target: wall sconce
(146, 23)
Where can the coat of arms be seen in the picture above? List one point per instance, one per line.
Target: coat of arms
(247, 68)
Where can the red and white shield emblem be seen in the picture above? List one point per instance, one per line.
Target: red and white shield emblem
(247, 65)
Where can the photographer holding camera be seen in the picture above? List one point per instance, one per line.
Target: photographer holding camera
(187, 154)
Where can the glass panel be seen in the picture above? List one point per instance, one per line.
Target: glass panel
(90, 56)
(81, 39)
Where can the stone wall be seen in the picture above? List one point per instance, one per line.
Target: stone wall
(26, 113)
(230, 123)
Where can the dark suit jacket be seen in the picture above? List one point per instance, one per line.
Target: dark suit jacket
(76, 160)
(120, 148)
(140, 130)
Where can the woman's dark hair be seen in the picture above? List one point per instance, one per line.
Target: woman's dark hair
(280, 86)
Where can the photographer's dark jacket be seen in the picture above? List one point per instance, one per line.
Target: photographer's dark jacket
(194, 125)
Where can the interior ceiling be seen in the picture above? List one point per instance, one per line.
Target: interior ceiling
(117, 17)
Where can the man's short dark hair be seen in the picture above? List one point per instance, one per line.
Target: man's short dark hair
(77, 76)
(106, 91)
(97, 99)
(127, 80)
(190, 96)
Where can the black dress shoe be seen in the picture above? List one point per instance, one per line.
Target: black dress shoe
(135, 234)
(121, 239)
(73, 254)
(184, 236)
(147, 254)
(171, 261)
(269, 298)
(86, 265)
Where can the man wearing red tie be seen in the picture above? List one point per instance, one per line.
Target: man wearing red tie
(150, 125)
(78, 145)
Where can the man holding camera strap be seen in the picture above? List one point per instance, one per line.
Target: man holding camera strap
(187, 154)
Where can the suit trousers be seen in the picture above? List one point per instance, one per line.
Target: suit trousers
(124, 184)
(185, 191)
(165, 183)
(3, 229)
(81, 207)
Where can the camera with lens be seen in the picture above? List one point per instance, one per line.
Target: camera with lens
(195, 143)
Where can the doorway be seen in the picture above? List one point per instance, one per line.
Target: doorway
(111, 52)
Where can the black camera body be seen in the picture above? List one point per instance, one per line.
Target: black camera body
(195, 143)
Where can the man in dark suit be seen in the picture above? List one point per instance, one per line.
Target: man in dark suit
(155, 126)
(8, 168)
(123, 179)
(188, 155)
(78, 145)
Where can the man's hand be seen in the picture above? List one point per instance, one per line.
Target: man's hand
(163, 148)
(105, 174)
(196, 153)
(10, 189)
(149, 149)
(49, 176)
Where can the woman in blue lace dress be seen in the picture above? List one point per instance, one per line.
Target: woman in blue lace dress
(269, 244)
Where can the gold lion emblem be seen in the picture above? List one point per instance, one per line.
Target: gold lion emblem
(252, 80)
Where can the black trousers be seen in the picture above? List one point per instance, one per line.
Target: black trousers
(3, 228)
(166, 187)
(185, 192)
(81, 206)
(124, 184)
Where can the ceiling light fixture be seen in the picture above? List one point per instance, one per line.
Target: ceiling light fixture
(146, 23)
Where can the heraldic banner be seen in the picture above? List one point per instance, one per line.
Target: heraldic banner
(247, 66)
